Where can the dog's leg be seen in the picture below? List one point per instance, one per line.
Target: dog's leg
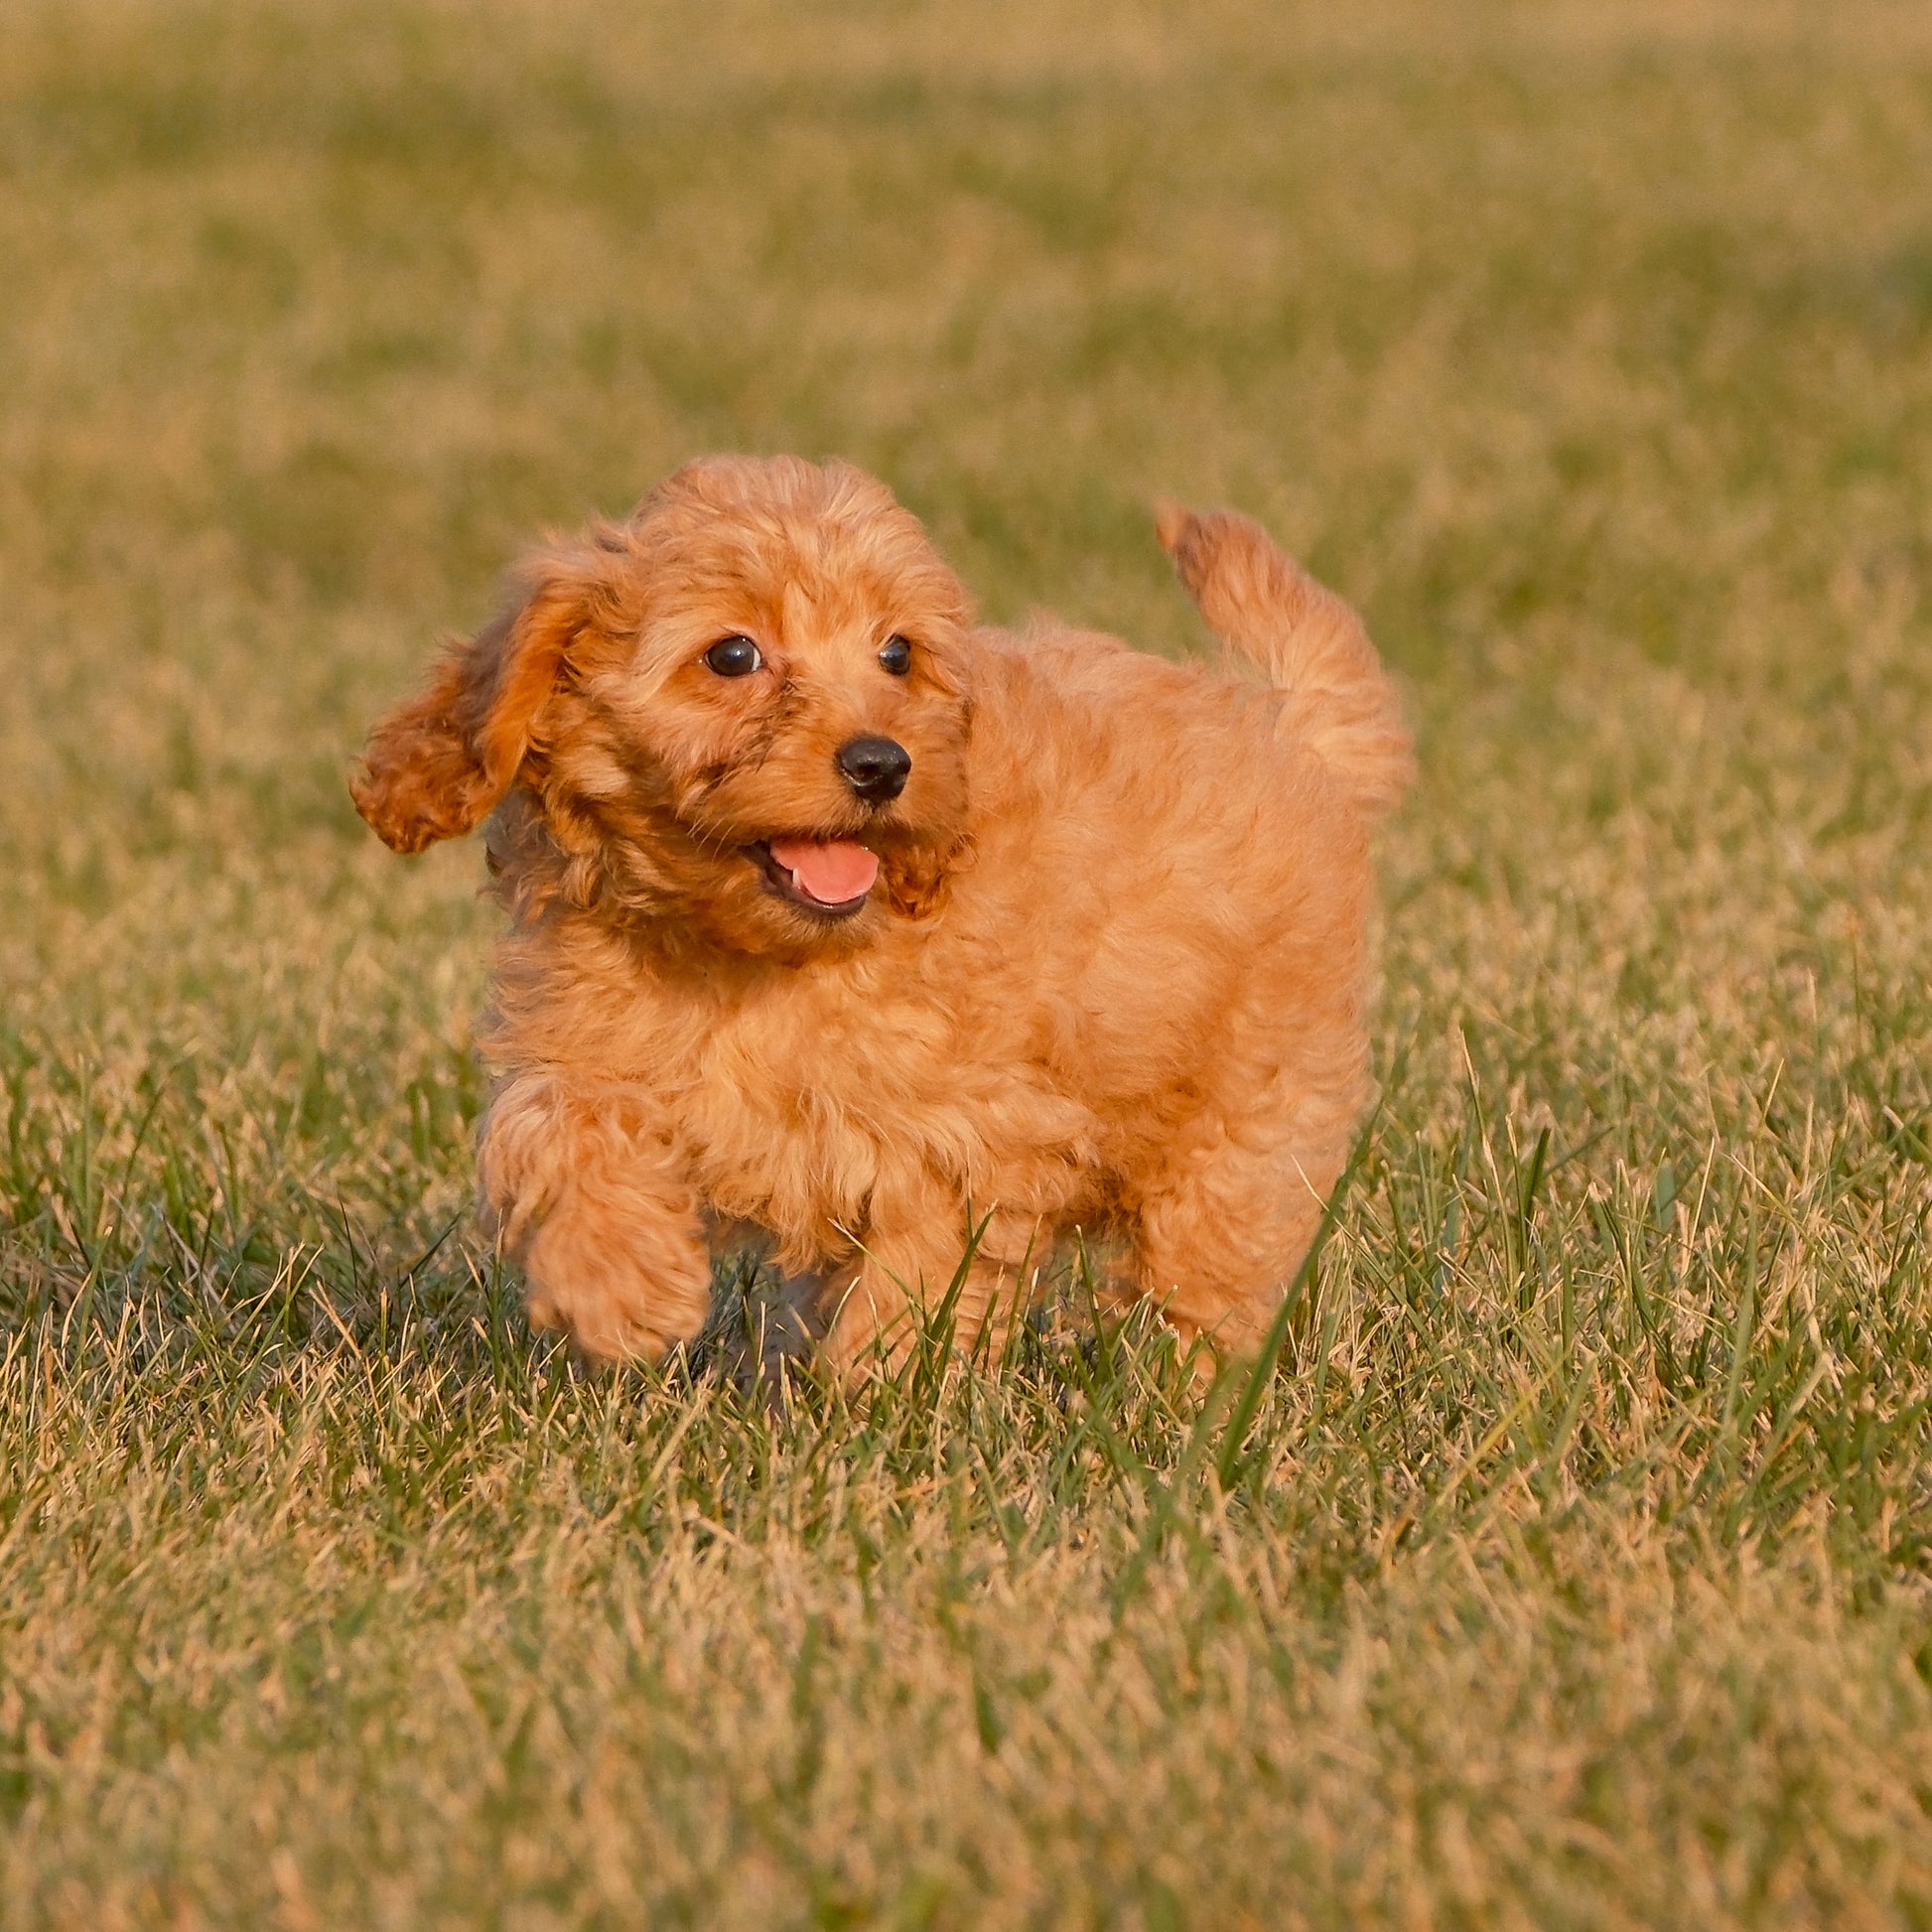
(587, 1192)
(1223, 1230)
(909, 1271)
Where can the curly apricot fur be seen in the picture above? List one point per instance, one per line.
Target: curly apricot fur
(1113, 976)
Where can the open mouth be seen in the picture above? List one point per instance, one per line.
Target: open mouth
(829, 877)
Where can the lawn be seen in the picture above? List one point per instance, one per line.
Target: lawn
(1576, 1568)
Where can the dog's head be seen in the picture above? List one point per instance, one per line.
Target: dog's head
(744, 711)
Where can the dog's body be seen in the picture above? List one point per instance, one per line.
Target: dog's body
(1105, 966)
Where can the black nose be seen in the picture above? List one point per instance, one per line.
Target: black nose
(875, 767)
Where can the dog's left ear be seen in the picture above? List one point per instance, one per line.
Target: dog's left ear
(439, 764)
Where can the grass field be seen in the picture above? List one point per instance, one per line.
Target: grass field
(1577, 1569)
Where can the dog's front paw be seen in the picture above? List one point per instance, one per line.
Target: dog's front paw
(614, 1298)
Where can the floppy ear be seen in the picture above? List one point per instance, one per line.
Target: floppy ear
(438, 765)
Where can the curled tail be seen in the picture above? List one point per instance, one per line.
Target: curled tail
(1335, 696)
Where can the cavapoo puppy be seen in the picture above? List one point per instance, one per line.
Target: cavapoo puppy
(838, 918)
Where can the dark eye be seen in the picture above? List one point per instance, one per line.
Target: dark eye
(897, 656)
(734, 658)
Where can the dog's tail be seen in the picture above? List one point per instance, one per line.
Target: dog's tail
(1335, 696)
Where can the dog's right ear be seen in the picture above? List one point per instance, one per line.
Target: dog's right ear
(436, 766)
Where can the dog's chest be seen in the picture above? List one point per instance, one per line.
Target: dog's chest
(801, 1111)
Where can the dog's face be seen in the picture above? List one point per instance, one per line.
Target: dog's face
(742, 713)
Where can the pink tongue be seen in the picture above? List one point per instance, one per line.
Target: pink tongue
(832, 870)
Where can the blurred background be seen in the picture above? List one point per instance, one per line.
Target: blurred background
(1584, 346)
(1580, 344)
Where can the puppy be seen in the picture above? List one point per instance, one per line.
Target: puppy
(836, 918)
